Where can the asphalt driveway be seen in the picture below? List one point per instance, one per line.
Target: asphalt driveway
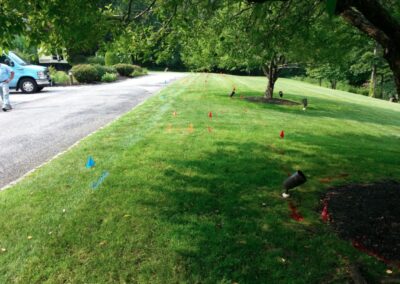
(44, 124)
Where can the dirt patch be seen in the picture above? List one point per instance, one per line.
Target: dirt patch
(368, 216)
(272, 101)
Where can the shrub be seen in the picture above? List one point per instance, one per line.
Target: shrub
(137, 68)
(109, 77)
(111, 58)
(141, 72)
(124, 69)
(85, 73)
(96, 60)
(101, 70)
(52, 70)
(60, 77)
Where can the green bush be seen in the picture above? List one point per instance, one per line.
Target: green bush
(104, 69)
(124, 69)
(85, 73)
(137, 68)
(109, 77)
(111, 58)
(141, 72)
(96, 60)
(60, 77)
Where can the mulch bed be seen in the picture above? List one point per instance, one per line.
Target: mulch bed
(272, 101)
(368, 216)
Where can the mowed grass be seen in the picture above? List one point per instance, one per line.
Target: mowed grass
(182, 204)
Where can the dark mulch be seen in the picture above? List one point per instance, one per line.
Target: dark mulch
(272, 101)
(369, 216)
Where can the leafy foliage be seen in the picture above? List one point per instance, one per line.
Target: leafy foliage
(111, 58)
(101, 69)
(124, 69)
(86, 73)
(139, 72)
(100, 60)
(109, 77)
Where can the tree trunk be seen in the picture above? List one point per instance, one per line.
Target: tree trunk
(381, 86)
(393, 58)
(272, 72)
(269, 93)
(333, 84)
(372, 82)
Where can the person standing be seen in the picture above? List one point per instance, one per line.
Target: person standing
(6, 76)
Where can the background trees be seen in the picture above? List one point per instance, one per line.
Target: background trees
(234, 35)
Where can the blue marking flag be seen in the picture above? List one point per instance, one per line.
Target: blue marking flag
(90, 163)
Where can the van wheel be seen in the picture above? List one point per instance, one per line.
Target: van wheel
(28, 86)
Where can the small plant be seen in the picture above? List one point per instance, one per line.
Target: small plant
(86, 73)
(141, 72)
(109, 77)
(60, 78)
(125, 69)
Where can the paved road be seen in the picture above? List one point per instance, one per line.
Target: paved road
(44, 124)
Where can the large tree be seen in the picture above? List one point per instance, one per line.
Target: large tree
(379, 19)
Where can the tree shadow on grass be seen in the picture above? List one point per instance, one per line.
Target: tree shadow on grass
(230, 224)
(319, 107)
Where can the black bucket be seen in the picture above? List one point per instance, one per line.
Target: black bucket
(296, 179)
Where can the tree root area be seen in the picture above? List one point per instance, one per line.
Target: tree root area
(368, 216)
(274, 101)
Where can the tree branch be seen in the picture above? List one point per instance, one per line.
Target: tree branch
(375, 13)
(359, 21)
(127, 18)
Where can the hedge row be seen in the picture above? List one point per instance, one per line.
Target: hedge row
(88, 73)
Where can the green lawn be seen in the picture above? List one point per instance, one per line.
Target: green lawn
(185, 205)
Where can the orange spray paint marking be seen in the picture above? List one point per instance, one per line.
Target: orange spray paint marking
(324, 213)
(325, 180)
(362, 248)
(282, 135)
(210, 115)
(190, 128)
(295, 215)
(330, 179)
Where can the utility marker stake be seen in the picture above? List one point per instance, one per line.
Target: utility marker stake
(90, 163)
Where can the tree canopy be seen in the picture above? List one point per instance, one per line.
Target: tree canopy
(228, 34)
